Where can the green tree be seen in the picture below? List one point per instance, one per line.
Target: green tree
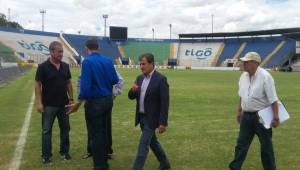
(5, 23)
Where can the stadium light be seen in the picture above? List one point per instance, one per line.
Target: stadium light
(8, 16)
(212, 23)
(152, 33)
(170, 25)
(43, 12)
(105, 16)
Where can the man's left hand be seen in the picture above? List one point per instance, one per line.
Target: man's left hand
(161, 129)
(275, 122)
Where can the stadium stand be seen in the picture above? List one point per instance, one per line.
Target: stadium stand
(231, 47)
(107, 47)
(31, 46)
(286, 51)
(190, 50)
(7, 54)
(133, 49)
(262, 46)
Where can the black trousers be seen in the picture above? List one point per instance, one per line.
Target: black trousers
(109, 135)
(97, 111)
(249, 127)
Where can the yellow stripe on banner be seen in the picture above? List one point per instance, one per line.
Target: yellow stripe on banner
(238, 53)
(121, 50)
(171, 50)
(217, 56)
(271, 54)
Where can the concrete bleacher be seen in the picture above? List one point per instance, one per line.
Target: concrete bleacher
(29, 45)
(263, 46)
(275, 48)
(286, 51)
(107, 47)
(160, 50)
(230, 49)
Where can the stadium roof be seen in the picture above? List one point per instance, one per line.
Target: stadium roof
(238, 34)
(294, 35)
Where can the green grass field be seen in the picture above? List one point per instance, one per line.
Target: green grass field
(202, 129)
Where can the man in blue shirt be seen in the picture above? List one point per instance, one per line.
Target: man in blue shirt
(98, 76)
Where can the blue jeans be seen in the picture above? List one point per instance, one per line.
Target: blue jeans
(97, 111)
(148, 138)
(48, 117)
(248, 128)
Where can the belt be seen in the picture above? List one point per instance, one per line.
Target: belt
(250, 113)
(98, 98)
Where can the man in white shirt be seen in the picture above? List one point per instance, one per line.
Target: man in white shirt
(257, 91)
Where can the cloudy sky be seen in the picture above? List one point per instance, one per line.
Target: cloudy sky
(140, 16)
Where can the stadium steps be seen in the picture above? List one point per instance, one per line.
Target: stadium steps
(121, 51)
(283, 55)
(241, 49)
(296, 65)
(217, 56)
(270, 55)
(69, 47)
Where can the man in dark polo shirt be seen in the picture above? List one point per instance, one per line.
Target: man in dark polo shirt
(53, 89)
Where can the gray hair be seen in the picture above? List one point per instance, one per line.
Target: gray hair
(53, 45)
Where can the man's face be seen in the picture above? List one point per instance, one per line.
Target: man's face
(250, 66)
(57, 53)
(146, 67)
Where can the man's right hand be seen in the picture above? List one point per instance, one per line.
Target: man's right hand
(238, 117)
(40, 108)
(73, 107)
(134, 87)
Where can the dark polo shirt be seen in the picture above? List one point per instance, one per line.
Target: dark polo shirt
(54, 83)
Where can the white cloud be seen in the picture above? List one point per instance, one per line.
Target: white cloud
(140, 16)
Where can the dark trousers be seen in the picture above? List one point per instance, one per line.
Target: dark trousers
(148, 138)
(109, 135)
(97, 111)
(248, 128)
(48, 117)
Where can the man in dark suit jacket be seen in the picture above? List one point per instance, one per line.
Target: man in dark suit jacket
(151, 91)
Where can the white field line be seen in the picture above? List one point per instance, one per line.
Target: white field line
(15, 162)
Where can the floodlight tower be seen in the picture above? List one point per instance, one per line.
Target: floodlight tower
(152, 33)
(105, 16)
(170, 26)
(43, 12)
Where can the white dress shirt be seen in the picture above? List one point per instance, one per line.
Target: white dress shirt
(257, 92)
(144, 87)
(118, 88)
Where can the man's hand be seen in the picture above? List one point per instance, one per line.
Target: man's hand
(73, 107)
(238, 117)
(161, 129)
(40, 108)
(275, 122)
(134, 87)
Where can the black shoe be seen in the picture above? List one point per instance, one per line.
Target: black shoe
(46, 160)
(86, 156)
(65, 157)
(164, 167)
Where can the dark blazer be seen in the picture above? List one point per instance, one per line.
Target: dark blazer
(156, 101)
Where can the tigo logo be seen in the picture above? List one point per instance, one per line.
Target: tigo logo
(199, 54)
